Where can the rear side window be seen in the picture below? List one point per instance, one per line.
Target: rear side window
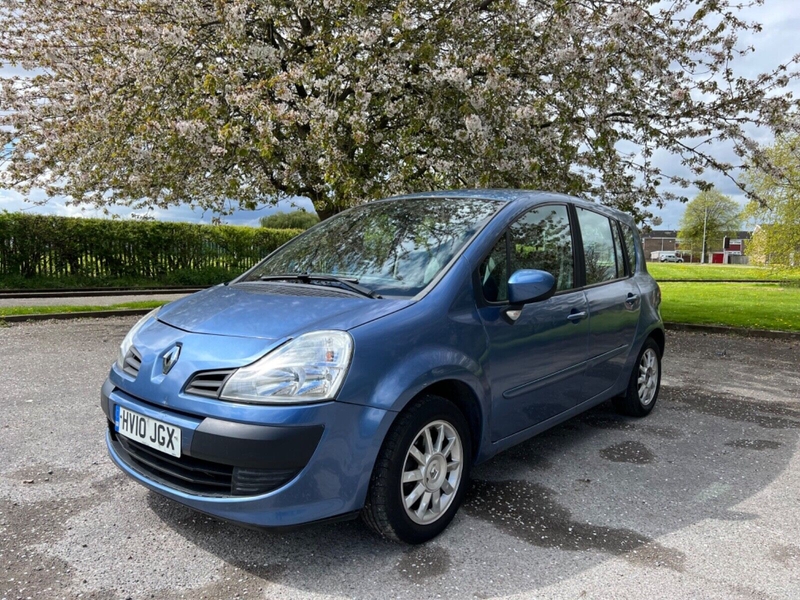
(598, 247)
(630, 248)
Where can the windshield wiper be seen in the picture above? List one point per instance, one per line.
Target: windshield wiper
(349, 283)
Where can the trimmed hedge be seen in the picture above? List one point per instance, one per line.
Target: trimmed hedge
(44, 251)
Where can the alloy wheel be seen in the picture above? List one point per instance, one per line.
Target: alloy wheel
(648, 376)
(432, 472)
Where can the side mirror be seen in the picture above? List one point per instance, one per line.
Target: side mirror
(530, 285)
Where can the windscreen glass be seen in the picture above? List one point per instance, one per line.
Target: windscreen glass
(394, 248)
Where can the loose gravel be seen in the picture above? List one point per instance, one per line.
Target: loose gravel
(699, 500)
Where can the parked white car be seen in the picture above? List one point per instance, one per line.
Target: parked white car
(670, 257)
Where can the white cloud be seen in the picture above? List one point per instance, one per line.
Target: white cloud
(13, 201)
(7, 71)
(774, 45)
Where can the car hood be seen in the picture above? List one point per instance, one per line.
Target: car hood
(271, 311)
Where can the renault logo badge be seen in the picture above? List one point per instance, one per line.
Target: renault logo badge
(170, 358)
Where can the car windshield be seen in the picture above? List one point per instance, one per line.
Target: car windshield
(393, 248)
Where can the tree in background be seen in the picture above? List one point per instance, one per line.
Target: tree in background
(297, 219)
(710, 216)
(777, 236)
(226, 105)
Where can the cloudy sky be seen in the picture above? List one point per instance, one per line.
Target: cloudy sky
(775, 44)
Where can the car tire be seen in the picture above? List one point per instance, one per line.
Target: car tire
(415, 469)
(644, 384)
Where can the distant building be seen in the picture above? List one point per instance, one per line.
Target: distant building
(666, 240)
(660, 240)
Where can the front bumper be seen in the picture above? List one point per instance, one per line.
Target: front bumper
(290, 465)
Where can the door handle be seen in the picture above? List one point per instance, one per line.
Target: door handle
(576, 316)
(631, 300)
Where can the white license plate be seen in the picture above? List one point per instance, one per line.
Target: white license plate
(147, 431)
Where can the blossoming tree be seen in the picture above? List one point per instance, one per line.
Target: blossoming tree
(226, 104)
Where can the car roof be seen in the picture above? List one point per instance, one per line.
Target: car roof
(524, 197)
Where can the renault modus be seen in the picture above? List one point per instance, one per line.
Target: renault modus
(365, 366)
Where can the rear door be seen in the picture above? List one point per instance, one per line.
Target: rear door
(537, 352)
(613, 301)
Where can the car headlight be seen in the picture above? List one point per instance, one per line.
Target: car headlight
(127, 341)
(310, 368)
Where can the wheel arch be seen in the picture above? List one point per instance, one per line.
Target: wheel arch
(438, 369)
(466, 400)
(659, 337)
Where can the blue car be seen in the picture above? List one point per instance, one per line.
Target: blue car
(365, 366)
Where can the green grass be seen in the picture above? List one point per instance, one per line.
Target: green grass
(672, 271)
(6, 311)
(750, 305)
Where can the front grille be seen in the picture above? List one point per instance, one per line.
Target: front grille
(208, 383)
(185, 473)
(196, 476)
(133, 362)
(249, 482)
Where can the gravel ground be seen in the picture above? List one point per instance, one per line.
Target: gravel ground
(699, 500)
(85, 301)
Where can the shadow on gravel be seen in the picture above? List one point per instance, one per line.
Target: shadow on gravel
(598, 486)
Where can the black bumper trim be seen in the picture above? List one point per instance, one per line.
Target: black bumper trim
(105, 392)
(243, 444)
(255, 446)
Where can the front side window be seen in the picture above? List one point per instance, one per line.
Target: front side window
(540, 239)
(494, 273)
(598, 247)
(394, 248)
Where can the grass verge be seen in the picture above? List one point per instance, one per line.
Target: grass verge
(7, 311)
(750, 305)
(672, 271)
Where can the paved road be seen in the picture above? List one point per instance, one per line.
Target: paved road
(87, 300)
(701, 500)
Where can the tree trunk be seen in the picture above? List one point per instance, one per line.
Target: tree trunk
(324, 206)
(325, 212)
